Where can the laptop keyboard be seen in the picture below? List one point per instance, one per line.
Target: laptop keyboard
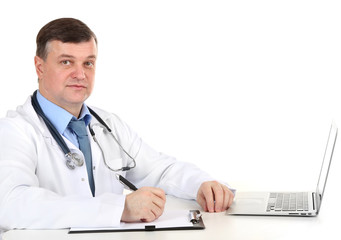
(288, 202)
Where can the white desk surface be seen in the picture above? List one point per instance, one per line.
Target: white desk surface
(218, 226)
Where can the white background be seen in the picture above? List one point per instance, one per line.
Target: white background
(236, 87)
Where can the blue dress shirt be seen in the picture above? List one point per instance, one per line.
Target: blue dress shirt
(60, 118)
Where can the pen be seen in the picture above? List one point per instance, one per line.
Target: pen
(125, 182)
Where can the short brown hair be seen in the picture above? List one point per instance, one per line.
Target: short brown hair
(64, 30)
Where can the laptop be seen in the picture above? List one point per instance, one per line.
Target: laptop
(287, 203)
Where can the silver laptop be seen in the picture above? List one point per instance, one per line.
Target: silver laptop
(287, 203)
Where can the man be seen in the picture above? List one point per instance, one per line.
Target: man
(38, 190)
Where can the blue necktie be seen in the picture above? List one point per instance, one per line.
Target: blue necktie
(79, 128)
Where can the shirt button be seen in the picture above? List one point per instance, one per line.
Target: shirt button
(82, 179)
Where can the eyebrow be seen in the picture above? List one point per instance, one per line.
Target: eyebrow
(70, 56)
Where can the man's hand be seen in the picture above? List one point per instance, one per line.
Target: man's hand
(145, 204)
(214, 197)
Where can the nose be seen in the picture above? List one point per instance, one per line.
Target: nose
(78, 73)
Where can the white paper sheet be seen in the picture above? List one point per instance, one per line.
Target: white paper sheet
(169, 219)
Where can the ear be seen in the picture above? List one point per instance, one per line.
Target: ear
(39, 64)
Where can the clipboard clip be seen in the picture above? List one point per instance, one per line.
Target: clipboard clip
(194, 216)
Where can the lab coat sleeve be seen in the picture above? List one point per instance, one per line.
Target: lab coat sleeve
(156, 169)
(23, 204)
(176, 178)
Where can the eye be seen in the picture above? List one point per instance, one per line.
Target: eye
(66, 62)
(89, 64)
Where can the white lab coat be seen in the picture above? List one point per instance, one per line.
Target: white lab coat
(38, 191)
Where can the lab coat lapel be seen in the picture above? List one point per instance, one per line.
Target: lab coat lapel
(40, 124)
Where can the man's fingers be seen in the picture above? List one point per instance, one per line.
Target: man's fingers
(202, 202)
(228, 198)
(218, 196)
(145, 204)
(158, 192)
(208, 196)
(214, 197)
(231, 198)
(156, 209)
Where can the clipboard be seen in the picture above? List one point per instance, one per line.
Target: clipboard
(170, 220)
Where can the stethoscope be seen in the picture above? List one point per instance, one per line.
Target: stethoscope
(73, 159)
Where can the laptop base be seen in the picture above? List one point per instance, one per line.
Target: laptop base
(257, 203)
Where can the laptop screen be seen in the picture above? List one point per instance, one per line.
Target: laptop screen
(327, 159)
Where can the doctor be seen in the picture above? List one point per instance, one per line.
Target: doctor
(39, 190)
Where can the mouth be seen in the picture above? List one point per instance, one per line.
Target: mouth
(76, 86)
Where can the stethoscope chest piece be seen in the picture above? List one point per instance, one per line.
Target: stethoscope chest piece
(73, 160)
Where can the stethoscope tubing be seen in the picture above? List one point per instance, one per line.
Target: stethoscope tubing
(52, 129)
(72, 160)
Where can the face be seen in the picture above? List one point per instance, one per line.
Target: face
(67, 76)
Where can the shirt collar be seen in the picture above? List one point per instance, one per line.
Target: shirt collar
(58, 116)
